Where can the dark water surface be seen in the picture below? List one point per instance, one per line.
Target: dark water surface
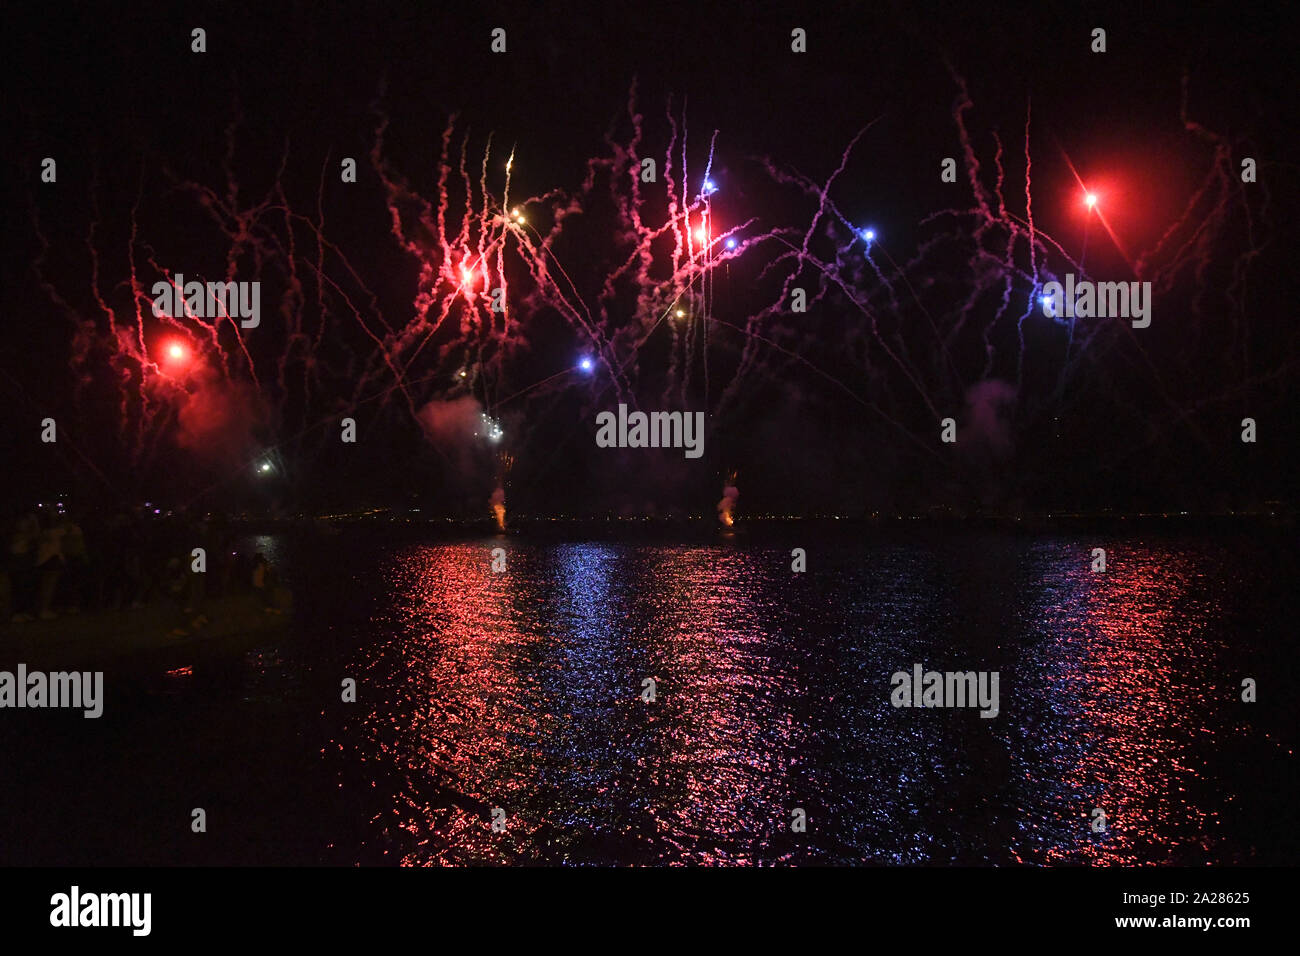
(522, 691)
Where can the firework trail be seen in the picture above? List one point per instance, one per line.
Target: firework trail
(979, 272)
(909, 340)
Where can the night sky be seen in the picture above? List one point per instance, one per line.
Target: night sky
(836, 410)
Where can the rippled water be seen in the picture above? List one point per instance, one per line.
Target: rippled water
(523, 691)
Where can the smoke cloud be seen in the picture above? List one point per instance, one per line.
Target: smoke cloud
(217, 419)
(730, 495)
(453, 426)
(988, 416)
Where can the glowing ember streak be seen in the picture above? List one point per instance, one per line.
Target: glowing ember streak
(498, 504)
(726, 507)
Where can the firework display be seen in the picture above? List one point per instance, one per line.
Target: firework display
(851, 436)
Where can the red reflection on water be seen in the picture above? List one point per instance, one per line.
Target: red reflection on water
(730, 728)
(1124, 677)
(448, 719)
(530, 700)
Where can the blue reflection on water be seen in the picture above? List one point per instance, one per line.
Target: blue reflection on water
(522, 691)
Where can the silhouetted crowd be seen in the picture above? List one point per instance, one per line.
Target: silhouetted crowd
(55, 564)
